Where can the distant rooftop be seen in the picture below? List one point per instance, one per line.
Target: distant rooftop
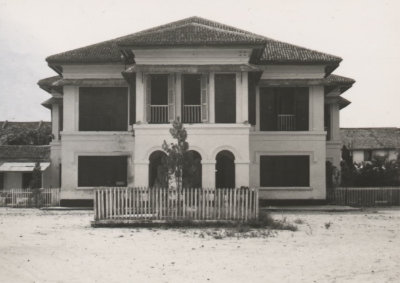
(28, 153)
(371, 138)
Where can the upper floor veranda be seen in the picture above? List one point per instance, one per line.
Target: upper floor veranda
(112, 98)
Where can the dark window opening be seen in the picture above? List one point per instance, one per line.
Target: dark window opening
(367, 155)
(192, 174)
(159, 89)
(191, 99)
(327, 121)
(26, 179)
(158, 176)
(252, 99)
(284, 109)
(284, 171)
(157, 102)
(103, 108)
(225, 167)
(102, 171)
(225, 98)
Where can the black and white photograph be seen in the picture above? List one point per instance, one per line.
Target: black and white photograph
(199, 141)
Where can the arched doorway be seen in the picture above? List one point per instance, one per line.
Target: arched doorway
(225, 170)
(192, 172)
(157, 169)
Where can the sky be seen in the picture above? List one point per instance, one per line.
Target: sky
(365, 33)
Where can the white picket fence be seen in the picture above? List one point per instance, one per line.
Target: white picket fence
(114, 204)
(372, 196)
(24, 198)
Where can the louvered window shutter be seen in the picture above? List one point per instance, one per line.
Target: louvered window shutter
(204, 98)
(148, 98)
(171, 97)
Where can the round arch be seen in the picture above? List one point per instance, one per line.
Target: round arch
(231, 149)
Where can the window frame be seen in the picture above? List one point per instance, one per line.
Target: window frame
(84, 186)
(125, 116)
(261, 172)
(270, 96)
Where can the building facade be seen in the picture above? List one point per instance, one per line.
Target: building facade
(258, 112)
(368, 144)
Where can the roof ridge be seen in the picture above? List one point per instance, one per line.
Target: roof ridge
(200, 25)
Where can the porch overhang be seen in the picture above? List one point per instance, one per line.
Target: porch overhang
(51, 101)
(92, 82)
(191, 68)
(22, 166)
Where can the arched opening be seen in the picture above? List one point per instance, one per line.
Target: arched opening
(157, 169)
(225, 170)
(192, 172)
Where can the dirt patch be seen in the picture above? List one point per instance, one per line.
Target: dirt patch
(60, 246)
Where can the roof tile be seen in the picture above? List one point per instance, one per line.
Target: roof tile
(193, 31)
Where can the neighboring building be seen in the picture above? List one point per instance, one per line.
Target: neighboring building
(258, 112)
(17, 163)
(367, 144)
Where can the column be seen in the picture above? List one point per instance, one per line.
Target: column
(257, 108)
(334, 108)
(208, 173)
(140, 98)
(242, 173)
(71, 108)
(316, 108)
(141, 173)
(239, 94)
(245, 97)
(178, 92)
(211, 97)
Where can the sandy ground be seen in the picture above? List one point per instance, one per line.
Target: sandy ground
(60, 246)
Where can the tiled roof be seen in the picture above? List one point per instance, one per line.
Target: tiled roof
(371, 138)
(281, 52)
(52, 100)
(193, 31)
(191, 34)
(336, 79)
(24, 153)
(48, 84)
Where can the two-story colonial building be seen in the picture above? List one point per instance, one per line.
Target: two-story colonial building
(258, 112)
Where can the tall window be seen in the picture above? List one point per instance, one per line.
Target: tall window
(225, 98)
(97, 171)
(158, 96)
(284, 109)
(284, 171)
(103, 108)
(191, 98)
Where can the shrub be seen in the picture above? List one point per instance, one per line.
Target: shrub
(378, 172)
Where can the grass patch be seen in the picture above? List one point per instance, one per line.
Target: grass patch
(264, 226)
(299, 221)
